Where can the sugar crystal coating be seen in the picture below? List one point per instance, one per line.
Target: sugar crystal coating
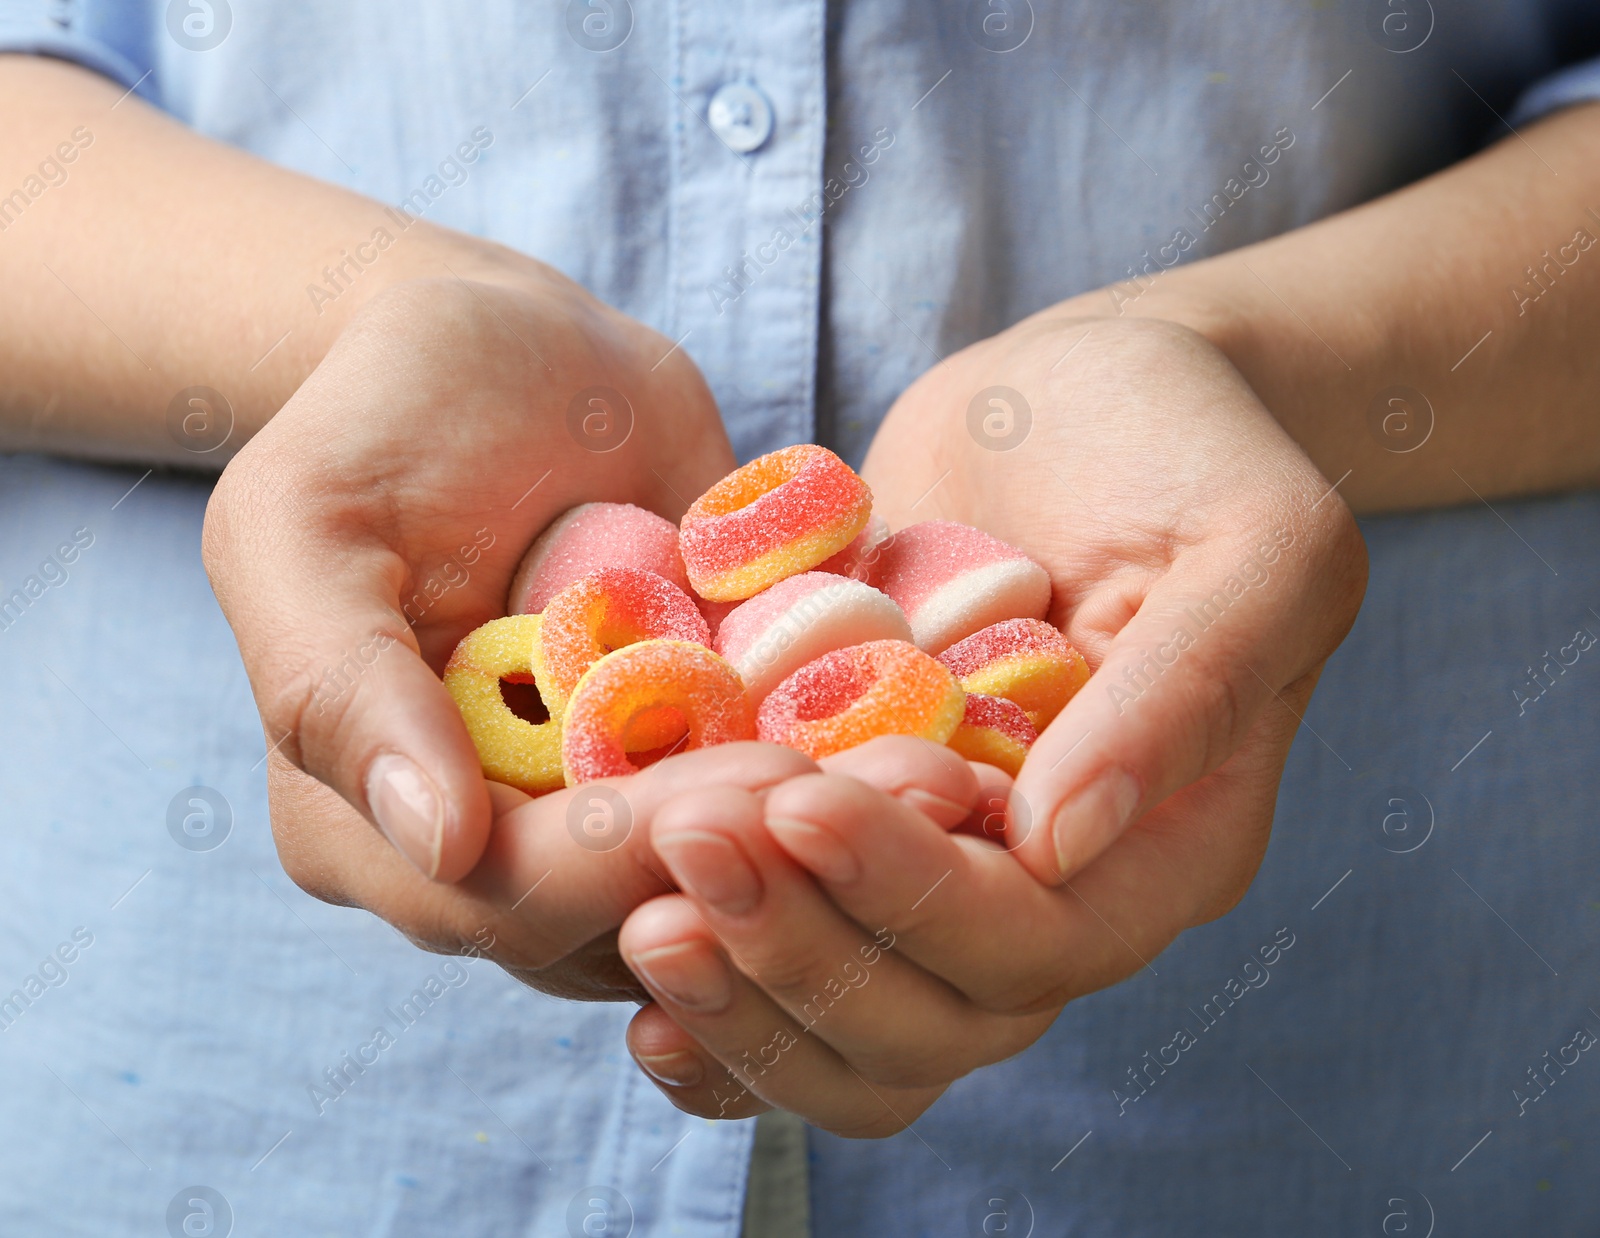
(523, 754)
(995, 731)
(845, 698)
(775, 633)
(649, 677)
(606, 610)
(591, 536)
(952, 580)
(1023, 660)
(781, 514)
(859, 560)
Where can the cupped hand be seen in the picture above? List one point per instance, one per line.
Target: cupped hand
(379, 517)
(1206, 570)
(1200, 562)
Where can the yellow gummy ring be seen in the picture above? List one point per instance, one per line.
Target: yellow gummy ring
(512, 750)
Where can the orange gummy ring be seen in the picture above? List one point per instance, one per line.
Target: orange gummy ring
(779, 515)
(845, 698)
(645, 680)
(525, 755)
(604, 611)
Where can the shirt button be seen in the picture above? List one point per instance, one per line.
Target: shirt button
(741, 116)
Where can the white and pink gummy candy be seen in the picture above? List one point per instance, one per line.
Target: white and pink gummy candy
(952, 580)
(593, 536)
(772, 635)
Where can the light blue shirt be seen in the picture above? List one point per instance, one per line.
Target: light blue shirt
(818, 202)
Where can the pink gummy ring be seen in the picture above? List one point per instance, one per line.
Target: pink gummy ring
(772, 635)
(845, 698)
(646, 680)
(781, 514)
(591, 536)
(953, 580)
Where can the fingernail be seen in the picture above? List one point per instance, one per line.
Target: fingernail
(408, 809)
(712, 868)
(676, 1070)
(819, 849)
(945, 812)
(1092, 817)
(688, 973)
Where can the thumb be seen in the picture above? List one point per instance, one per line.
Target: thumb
(342, 687)
(1214, 641)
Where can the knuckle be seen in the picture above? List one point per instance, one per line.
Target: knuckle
(310, 874)
(796, 976)
(1028, 995)
(1223, 708)
(900, 1069)
(879, 1125)
(285, 709)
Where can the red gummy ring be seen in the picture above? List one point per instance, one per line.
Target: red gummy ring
(995, 731)
(1022, 660)
(779, 515)
(845, 698)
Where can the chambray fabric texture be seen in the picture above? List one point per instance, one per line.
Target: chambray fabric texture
(1332, 1097)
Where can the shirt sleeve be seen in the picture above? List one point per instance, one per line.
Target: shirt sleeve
(110, 39)
(1579, 83)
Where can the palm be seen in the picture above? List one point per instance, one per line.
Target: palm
(1149, 475)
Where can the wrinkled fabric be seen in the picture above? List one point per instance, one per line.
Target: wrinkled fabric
(1358, 1024)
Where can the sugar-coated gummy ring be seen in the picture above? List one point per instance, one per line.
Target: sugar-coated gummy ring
(603, 611)
(995, 731)
(588, 537)
(1022, 660)
(644, 679)
(859, 559)
(783, 513)
(953, 580)
(775, 633)
(845, 698)
(523, 754)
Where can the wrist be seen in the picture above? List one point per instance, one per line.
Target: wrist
(1210, 307)
(391, 256)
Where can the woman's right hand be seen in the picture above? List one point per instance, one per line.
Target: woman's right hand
(378, 518)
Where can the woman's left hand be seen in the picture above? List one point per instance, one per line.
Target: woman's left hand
(1204, 567)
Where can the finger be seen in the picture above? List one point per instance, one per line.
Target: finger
(988, 819)
(926, 776)
(340, 682)
(957, 906)
(502, 799)
(1187, 861)
(546, 889)
(572, 864)
(893, 1022)
(672, 949)
(689, 1075)
(1180, 686)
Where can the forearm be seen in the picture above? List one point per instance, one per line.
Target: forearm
(1399, 292)
(157, 260)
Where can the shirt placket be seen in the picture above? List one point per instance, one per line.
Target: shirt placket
(748, 91)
